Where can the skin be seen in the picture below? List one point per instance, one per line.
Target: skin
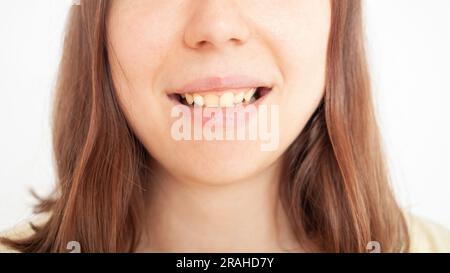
(211, 196)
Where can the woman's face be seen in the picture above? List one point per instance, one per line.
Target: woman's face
(166, 53)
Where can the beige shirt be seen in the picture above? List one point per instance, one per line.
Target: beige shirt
(425, 236)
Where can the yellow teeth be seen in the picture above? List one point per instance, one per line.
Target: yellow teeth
(211, 101)
(189, 99)
(228, 99)
(238, 98)
(249, 94)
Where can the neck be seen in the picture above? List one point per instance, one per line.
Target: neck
(244, 216)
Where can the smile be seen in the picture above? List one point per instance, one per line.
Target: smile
(221, 92)
(224, 99)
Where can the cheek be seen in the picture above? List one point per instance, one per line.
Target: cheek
(136, 53)
(302, 51)
(141, 39)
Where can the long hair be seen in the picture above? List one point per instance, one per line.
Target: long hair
(335, 189)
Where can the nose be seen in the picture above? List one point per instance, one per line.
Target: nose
(215, 24)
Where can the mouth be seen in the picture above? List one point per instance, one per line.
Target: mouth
(222, 99)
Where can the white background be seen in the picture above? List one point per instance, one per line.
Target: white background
(409, 50)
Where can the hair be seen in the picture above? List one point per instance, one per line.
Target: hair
(335, 189)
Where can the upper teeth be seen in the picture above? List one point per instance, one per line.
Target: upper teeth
(228, 99)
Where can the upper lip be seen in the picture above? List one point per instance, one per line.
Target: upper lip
(218, 83)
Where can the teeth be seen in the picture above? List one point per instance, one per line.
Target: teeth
(211, 101)
(227, 99)
(198, 100)
(238, 98)
(248, 96)
(189, 99)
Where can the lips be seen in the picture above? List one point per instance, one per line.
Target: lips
(221, 92)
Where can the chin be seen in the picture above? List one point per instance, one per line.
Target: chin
(220, 162)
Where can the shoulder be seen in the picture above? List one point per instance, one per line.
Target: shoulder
(21, 230)
(427, 236)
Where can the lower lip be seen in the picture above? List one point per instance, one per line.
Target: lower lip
(228, 118)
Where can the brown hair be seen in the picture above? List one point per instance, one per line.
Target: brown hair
(336, 188)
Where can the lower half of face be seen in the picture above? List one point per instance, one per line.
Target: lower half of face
(206, 108)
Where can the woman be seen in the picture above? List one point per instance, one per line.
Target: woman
(130, 178)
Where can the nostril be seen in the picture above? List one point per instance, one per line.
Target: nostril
(202, 44)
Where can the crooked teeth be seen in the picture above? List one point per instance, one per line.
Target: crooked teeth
(198, 100)
(227, 99)
(238, 98)
(249, 94)
(189, 99)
